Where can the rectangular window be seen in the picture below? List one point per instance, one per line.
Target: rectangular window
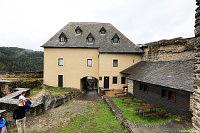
(141, 87)
(114, 80)
(100, 78)
(89, 62)
(164, 93)
(60, 62)
(145, 88)
(115, 63)
(123, 80)
(172, 95)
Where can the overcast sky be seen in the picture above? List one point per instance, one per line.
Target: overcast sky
(30, 23)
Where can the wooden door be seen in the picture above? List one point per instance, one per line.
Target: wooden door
(106, 82)
(60, 80)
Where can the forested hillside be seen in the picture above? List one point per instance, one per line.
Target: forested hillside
(17, 59)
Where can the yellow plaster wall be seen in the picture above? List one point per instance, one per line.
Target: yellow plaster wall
(75, 65)
(106, 67)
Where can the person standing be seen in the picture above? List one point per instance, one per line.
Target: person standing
(26, 101)
(3, 125)
(20, 116)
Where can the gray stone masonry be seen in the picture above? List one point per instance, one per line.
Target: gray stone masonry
(43, 103)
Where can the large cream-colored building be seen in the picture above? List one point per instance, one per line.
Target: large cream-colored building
(82, 52)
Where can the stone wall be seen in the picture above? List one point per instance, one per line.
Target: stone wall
(196, 105)
(130, 86)
(173, 49)
(21, 74)
(43, 103)
(6, 88)
(196, 102)
(197, 21)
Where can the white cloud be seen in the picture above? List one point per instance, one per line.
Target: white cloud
(30, 23)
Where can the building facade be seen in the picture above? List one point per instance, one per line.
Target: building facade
(82, 51)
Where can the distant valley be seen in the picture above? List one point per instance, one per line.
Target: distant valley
(14, 59)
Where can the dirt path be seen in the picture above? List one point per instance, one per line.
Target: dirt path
(57, 117)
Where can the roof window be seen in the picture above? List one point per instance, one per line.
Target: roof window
(62, 37)
(115, 39)
(90, 39)
(102, 31)
(78, 31)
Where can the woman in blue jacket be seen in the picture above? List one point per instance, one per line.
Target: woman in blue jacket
(3, 125)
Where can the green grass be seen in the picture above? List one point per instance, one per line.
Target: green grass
(59, 91)
(132, 115)
(98, 119)
(35, 91)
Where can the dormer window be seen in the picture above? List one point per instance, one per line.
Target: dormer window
(62, 37)
(78, 30)
(102, 31)
(90, 38)
(115, 39)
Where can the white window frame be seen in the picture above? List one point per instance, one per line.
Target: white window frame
(117, 63)
(59, 62)
(89, 65)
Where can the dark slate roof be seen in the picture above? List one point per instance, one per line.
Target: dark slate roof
(102, 42)
(174, 74)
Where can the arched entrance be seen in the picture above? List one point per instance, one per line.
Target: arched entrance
(88, 83)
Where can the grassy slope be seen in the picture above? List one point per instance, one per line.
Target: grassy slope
(132, 115)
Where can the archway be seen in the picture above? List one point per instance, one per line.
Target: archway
(88, 83)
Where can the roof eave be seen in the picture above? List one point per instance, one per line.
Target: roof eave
(191, 91)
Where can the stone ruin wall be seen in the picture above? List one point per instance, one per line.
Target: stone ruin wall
(21, 75)
(174, 49)
(196, 105)
(130, 86)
